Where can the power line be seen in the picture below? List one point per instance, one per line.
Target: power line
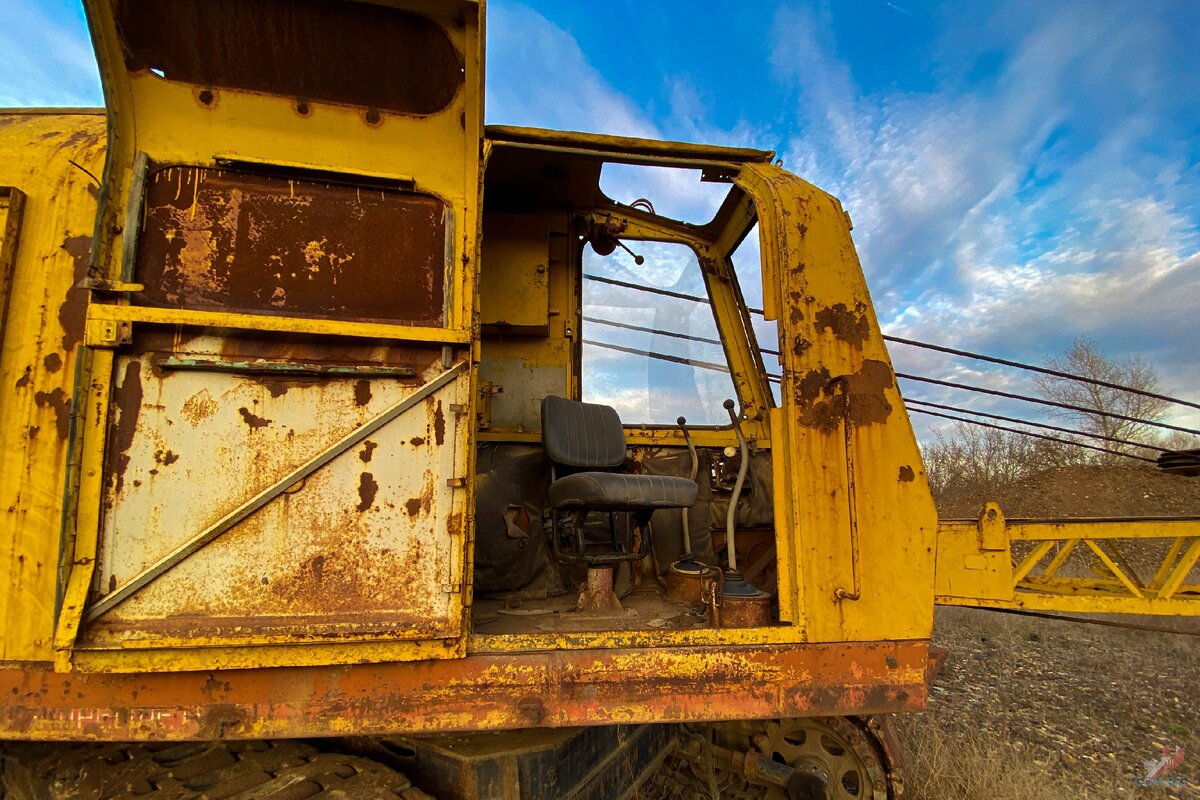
(1115, 440)
(659, 331)
(1043, 370)
(688, 362)
(713, 367)
(642, 329)
(773, 378)
(708, 365)
(929, 346)
(649, 289)
(1031, 433)
(997, 393)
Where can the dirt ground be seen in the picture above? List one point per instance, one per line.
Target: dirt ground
(1035, 708)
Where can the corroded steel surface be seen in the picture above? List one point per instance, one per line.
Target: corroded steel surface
(369, 55)
(480, 692)
(979, 566)
(855, 542)
(229, 240)
(364, 544)
(44, 326)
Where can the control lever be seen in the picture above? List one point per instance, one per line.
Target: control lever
(731, 514)
(687, 538)
(636, 258)
(686, 578)
(736, 603)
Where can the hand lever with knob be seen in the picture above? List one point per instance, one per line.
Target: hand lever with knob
(731, 514)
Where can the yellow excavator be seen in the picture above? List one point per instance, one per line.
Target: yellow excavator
(351, 446)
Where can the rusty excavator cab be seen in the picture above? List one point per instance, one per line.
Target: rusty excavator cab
(279, 324)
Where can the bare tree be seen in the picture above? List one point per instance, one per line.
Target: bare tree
(1084, 358)
(970, 461)
(1178, 440)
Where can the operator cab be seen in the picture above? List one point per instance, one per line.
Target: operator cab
(623, 391)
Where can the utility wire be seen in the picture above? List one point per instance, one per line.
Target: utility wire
(708, 365)
(661, 332)
(1106, 622)
(774, 378)
(689, 362)
(939, 348)
(1115, 440)
(1010, 396)
(1030, 433)
(1043, 370)
(650, 289)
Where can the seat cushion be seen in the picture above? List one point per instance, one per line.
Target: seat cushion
(582, 435)
(613, 491)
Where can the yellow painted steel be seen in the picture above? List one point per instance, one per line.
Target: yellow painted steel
(198, 654)
(167, 122)
(978, 564)
(855, 522)
(104, 323)
(861, 556)
(47, 157)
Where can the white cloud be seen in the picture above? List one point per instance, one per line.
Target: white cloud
(978, 227)
(538, 76)
(48, 60)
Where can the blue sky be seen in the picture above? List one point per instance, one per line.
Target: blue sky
(1019, 173)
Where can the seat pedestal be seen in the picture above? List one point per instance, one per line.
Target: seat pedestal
(596, 596)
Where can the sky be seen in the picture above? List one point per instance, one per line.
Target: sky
(1019, 173)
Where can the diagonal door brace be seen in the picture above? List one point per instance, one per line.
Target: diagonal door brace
(225, 523)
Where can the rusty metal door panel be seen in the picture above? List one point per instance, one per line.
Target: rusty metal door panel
(357, 53)
(364, 545)
(260, 243)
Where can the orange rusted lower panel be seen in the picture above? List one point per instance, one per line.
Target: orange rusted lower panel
(480, 692)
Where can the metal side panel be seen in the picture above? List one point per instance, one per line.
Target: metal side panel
(370, 543)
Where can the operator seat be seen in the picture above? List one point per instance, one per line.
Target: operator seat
(585, 445)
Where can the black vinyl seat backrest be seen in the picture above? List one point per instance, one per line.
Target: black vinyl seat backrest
(582, 435)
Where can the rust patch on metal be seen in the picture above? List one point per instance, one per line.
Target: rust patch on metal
(367, 488)
(80, 137)
(255, 422)
(906, 474)
(220, 239)
(25, 378)
(128, 400)
(317, 565)
(423, 502)
(327, 350)
(72, 313)
(439, 425)
(367, 451)
(482, 691)
(417, 441)
(860, 398)
(277, 387)
(362, 392)
(165, 457)
(851, 327)
(61, 403)
(325, 51)
(199, 407)
(52, 363)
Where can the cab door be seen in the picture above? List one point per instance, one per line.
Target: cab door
(280, 387)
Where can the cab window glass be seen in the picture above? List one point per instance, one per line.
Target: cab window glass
(652, 356)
